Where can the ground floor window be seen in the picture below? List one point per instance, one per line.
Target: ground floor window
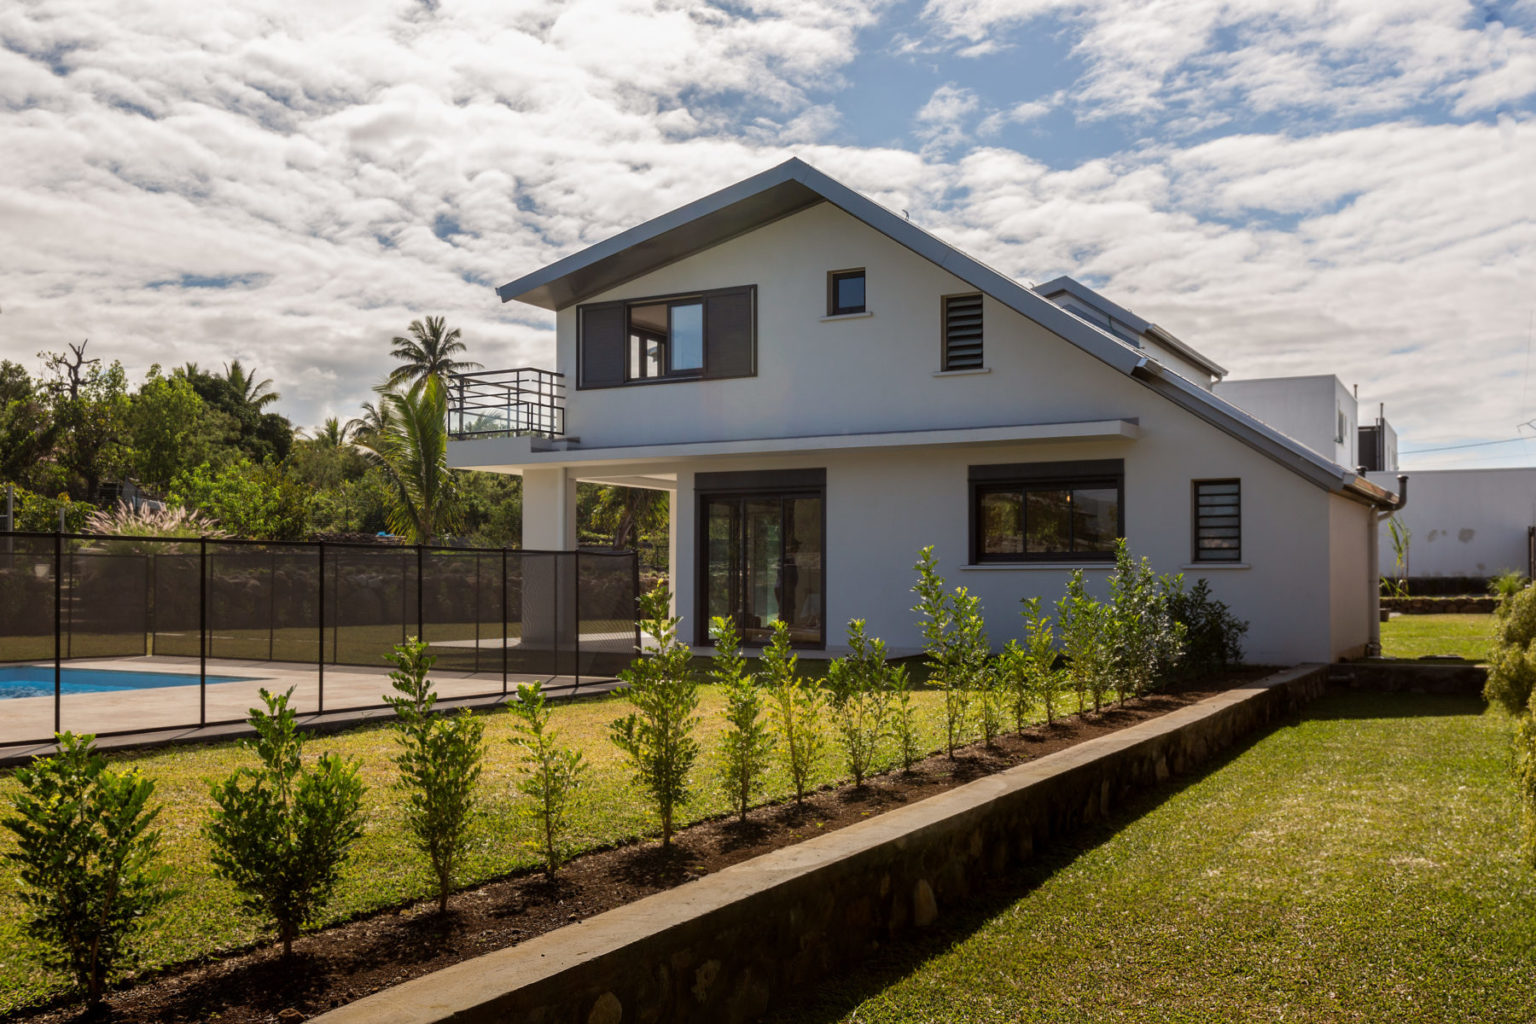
(1047, 511)
(761, 543)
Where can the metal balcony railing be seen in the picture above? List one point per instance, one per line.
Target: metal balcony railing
(506, 403)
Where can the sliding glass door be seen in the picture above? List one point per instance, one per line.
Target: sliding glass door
(761, 560)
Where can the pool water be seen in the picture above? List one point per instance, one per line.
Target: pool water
(37, 680)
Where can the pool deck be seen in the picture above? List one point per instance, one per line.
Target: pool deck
(126, 719)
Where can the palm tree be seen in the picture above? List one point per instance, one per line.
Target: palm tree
(412, 448)
(374, 421)
(428, 352)
(334, 433)
(252, 393)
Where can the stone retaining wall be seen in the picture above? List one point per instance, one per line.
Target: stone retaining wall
(1448, 676)
(1439, 605)
(724, 948)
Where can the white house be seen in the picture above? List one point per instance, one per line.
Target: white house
(824, 388)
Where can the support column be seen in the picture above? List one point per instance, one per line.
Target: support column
(682, 573)
(549, 509)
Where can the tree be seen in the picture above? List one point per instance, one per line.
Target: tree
(413, 450)
(859, 687)
(553, 773)
(440, 763)
(747, 742)
(280, 832)
(259, 502)
(251, 393)
(163, 420)
(90, 411)
(797, 706)
(429, 351)
(87, 849)
(27, 430)
(657, 736)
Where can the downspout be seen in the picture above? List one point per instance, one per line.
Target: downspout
(1373, 649)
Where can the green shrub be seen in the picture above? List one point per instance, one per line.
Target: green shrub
(859, 688)
(38, 514)
(440, 764)
(1511, 660)
(747, 743)
(797, 706)
(1039, 671)
(1146, 635)
(87, 851)
(1525, 778)
(1087, 634)
(657, 736)
(259, 501)
(1505, 586)
(1213, 636)
(553, 774)
(955, 639)
(280, 832)
(903, 713)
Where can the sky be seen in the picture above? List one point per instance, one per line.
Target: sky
(1290, 186)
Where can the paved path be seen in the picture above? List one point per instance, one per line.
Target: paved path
(170, 714)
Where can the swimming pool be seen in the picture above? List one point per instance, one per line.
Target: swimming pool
(37, 680)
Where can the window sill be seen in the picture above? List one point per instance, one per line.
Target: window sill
(962, 373)
(1203, 566)
(1031, 566)
(846, 316)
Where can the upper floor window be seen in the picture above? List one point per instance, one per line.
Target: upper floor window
(666, 339)
(1047, 511)
(710, 334)
(962, 332)
(845, 292)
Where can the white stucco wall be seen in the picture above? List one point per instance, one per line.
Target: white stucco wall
(1350, 527)
(1304, 408)
(877, 373)
(1464, 522)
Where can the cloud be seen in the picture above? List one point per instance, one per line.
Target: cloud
(941, 122)
(1344, 58)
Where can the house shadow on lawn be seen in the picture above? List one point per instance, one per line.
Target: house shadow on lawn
(835, 1000)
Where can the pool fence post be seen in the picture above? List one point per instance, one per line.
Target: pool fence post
(504, 620)
(202, 631)
(58, 631)
(576, 620)
(320, 661)
(421, 614)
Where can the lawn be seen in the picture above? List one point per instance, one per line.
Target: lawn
(1413, 636)
(204, 917)
(1361, 865)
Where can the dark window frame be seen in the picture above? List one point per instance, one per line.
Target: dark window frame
(1021, 478)
(945, 363)
(1196, 552)
(668, 372)
(704, 295)
(833, 277)
(745, 485)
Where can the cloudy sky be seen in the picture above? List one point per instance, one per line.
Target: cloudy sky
(1292, 186)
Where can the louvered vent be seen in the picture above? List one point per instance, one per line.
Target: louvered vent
(962, 332)
(1218, 521)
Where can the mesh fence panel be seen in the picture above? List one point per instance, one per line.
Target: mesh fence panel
(105, 583)
(370, 603)
(264, 602)
(461, 609)
(173, 600)
(606, 591)
(26, 598)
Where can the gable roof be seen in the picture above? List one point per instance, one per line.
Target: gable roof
(794, 186)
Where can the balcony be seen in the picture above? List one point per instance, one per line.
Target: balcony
(525, 402)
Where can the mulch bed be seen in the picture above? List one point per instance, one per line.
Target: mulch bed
(349, 961)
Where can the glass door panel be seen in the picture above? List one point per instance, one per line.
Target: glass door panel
(802, 569)
(763, 558)
(722, 566)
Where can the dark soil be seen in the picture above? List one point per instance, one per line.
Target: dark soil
(348, 961)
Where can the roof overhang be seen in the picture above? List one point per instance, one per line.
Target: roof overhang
(514, 454)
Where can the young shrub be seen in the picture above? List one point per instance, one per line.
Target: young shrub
(861, 700)
(1039, 671)
(747, 744)
(1213, 636)
(1511, 660)
(86, 849)
(993, 693)
(1087, 636)
(1505, 586)
(279, 833)
(796, 705)
(1146, 635)
(657, 736)
(439, 764)
(903, 714)
(954, 635)
(553, 773)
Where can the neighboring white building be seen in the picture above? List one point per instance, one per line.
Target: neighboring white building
(824, 388)
(1466, 522)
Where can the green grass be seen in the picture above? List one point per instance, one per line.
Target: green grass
(1413, 636)
(1360, 866)
(204, 917)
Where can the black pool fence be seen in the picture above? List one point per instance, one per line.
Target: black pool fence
(502, 612)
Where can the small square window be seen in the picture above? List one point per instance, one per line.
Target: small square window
(845, 292)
